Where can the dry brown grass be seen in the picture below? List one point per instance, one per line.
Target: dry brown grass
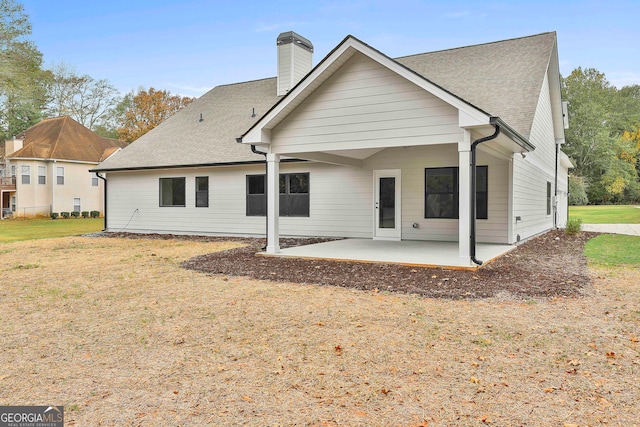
(121, 335)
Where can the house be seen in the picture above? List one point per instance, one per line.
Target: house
(360, 146)
(47, 169)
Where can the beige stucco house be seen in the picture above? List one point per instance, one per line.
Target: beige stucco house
(461, 145)
(47, 169)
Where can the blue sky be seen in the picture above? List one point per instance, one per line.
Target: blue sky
(190, 46)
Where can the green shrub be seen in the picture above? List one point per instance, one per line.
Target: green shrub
(75, 214)
(574, 225)
(95, 214)
(64, 215)
(85, 214)
(54, 215)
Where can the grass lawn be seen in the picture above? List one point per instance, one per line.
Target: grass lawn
(606, 214)
(613, 250)
(12, 230)
(117, 332)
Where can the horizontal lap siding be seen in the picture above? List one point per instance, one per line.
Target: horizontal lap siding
(531, 174)
(366, 105)
(413, 161)
(337, 208)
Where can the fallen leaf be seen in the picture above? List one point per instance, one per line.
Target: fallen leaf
(246, 398)
(549, 390)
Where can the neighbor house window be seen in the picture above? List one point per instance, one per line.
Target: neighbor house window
(294, 195)
(441, 192)
(42, 175)
(13, 203)
(60, 175)
(26, 174)
(548, 198)
(94, 181)
(202, 192)
(172, 191)
(13, 170)
(76, 204)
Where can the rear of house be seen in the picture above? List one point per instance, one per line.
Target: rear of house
(360, 146)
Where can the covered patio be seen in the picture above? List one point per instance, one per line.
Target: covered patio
(405, 252)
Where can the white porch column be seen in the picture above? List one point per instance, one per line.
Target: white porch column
(273, 203)
(464, 198)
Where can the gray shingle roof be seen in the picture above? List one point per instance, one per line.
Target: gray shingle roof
(501, 78)
(184, 140)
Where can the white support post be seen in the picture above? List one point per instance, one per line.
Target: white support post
(464, 198)
(273, 203)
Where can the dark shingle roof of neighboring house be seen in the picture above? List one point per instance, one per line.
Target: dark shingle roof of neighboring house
(62, 138)
(502, 78)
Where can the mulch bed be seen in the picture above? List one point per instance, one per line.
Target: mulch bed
(547, 266)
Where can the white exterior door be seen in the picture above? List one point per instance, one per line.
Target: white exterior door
(386, 205)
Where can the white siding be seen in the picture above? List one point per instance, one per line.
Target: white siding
(531, 174)
(339, 202)
(365, 105)
(341, 199)
(413, 161)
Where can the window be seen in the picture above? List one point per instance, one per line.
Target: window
(441, 193)
(548, 198)
(172, 191)
(60, 175)
(26, 174)
(441, 199)
(13, 170)
(256, 196)
(94, 181)
(13, 203)
(76, 204)
(294, 195)
(42, 175)
(202, 192)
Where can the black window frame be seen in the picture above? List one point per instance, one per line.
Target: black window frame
(177, 192)
(293, 202)
(202, 195)
(482, 191)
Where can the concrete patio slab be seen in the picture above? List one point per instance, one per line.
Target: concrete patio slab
(405, 252)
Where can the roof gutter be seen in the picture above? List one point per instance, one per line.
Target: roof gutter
(507, 130)
(474, 145)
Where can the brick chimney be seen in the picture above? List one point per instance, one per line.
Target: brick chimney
(295, 60)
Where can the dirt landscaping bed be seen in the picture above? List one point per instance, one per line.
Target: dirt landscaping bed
(547, 266)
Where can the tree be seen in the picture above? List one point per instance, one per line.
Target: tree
(86, 100)
(22, 80)
(145, 110)
(599, 115)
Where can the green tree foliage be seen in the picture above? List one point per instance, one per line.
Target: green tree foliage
(577, 191)
(599, 116)
(22, 80)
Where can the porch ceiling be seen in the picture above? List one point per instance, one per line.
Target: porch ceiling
(405, 252)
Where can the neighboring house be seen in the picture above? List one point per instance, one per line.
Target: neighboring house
(364, 146)
(47, 169)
